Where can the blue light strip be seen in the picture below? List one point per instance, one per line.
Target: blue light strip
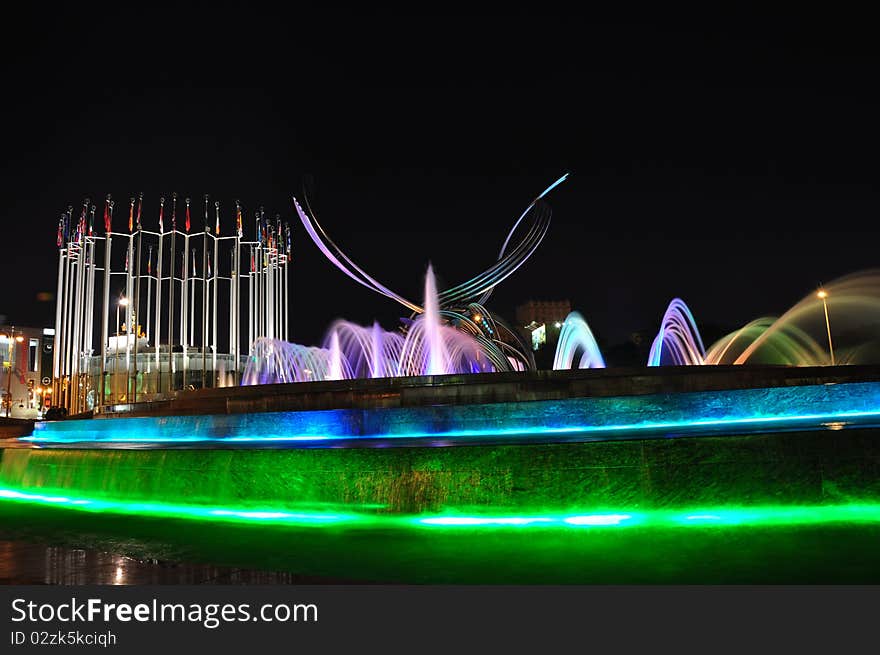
(719, 412)
(791, 420)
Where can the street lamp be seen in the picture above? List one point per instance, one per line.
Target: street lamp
(822, 294)
(13, 340)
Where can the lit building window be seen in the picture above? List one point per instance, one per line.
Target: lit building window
(33, 349)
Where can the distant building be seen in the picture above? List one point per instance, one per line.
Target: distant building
(539, 322)
(548, 312)
(26, 358)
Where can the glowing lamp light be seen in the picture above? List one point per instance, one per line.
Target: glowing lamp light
(483, 521)
(19, 338)
(822, 294)
(123, 302)
(598, 519)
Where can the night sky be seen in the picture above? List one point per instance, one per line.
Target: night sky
(730, 160)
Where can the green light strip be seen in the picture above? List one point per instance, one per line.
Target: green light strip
(724, 516)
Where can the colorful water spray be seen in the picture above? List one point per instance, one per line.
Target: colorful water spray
(843, 317)
(576, 342)
(427, 347)
(678, 338)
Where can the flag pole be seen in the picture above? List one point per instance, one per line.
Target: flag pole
(232, 274)
(215, 290)
(251, 303)
(157, 330)
(137, 297)
(68, 291)
(89, 341)
(129, 294)
(171, 276)
(204, 325)
(184, 297)
(191, 297)
(149, 298)
(78, 309)
(59, 305)
(237, 295)
(108, 242)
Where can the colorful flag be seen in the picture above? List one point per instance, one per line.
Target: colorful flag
(253, 261)
(187, 224)
(238, 218)
(140, 205)
(91, 220)
(150, 261)
(161, 214)
(81, 226)
(126, 260)
(131, 215)
(217, 223)
(107, 214)
(59, 240)
(287, 231)
(174, 210)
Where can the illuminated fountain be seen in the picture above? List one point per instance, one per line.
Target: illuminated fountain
(678, 338)
(428, 347)
(275, 361)
(803, 335)
(787, 344)
(843, 318)
(576, 339)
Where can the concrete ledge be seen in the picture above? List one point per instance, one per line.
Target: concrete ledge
(12, 428)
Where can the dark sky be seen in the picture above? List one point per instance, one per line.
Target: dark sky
(731, 160)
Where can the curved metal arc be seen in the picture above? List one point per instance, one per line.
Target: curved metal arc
(493, 276)
(368, 281)
(482, 284)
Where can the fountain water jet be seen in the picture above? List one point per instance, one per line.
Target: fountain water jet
(678, 336)
(274, 361)
(429, 347)
(335, 372)
(437, 355)
(576, 337)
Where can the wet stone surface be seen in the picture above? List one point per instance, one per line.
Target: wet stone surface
(33, 563)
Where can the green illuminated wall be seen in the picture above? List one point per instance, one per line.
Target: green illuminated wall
(797, 468)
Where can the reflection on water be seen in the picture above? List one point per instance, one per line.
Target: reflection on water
(22, 562)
